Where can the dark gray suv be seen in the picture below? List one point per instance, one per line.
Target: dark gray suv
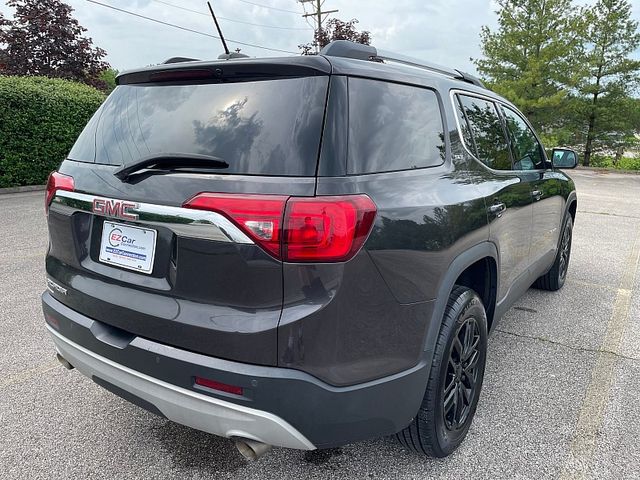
(301, 252)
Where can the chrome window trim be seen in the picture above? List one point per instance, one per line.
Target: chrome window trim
(455, 91)
(185, 222)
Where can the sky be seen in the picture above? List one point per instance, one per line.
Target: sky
(440, 31)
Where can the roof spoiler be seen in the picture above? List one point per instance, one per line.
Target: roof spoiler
(347, 49)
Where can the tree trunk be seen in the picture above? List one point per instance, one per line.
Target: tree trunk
(592, 114)
(587, 145)
(619, 154)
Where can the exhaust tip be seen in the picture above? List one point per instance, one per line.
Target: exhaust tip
(251, 450)
(64, 362)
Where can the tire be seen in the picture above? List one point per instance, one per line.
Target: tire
(437, 431)
(554, 279)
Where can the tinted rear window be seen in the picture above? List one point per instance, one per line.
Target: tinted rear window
(266, 127)
(393, 127)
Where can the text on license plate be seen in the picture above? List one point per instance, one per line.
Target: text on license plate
(128, 247)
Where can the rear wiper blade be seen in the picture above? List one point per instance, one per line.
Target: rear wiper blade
(168, 160)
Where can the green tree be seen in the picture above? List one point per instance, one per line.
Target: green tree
(108, 76)
(44, 39)
(528, 59)
(335, 29)
(609, 78)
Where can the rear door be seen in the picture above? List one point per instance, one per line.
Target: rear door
(197, 280)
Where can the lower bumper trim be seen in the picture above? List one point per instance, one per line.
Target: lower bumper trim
(211, 415)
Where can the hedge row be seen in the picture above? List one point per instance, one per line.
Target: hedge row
(40, 118)
(625, 163)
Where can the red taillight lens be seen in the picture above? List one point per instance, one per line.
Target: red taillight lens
(297, 229)
(222, 387)
(326, 229)
(260, 216)
(57, 181)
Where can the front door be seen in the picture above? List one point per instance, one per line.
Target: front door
(546, 191)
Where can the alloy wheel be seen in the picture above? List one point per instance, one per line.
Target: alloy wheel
(462, 375)
(565, 251)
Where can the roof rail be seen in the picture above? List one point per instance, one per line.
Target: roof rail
(179, 60)
(347, 49)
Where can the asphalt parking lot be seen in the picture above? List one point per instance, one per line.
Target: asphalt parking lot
(561, 397)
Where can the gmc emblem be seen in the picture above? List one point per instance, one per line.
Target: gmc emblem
(114, 208)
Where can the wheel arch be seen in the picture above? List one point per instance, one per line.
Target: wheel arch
(572, 205)
(481, 259)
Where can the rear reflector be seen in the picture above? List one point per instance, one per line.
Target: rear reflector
(52, 321)
(222, 387)
(57, 181)
(297, 229)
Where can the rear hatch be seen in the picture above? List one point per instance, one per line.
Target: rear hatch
(126, 247)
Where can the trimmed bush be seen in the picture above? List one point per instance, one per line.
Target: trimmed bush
(601, 161)
(629, 163)
(625, 163)
(40, 119)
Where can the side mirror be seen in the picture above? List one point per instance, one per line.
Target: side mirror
(564, 158)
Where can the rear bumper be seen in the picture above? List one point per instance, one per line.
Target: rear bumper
(189, 408)
(279, 406)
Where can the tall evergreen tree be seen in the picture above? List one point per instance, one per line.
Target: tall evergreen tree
(527, 58)
(610, 76)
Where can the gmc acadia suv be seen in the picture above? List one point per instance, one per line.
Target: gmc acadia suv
(304, 251)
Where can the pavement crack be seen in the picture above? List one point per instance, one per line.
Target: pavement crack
(571, 347)
(609, 214)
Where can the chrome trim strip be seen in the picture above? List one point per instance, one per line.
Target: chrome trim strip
(455, 91)
(185, 222)
(183, 406)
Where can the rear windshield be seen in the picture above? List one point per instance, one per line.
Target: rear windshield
(265, 127)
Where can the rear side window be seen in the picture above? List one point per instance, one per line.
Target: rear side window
(393, 127)
(486, 131)
(270, 127)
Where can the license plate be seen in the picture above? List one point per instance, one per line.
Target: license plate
(128, 247)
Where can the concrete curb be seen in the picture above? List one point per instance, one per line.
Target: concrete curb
(607, 170)
(27, 188)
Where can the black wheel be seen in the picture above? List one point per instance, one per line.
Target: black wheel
(455, 381)
(554, 279)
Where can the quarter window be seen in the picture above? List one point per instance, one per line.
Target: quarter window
(487, 132)
(393, 127)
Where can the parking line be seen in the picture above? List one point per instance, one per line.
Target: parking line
(590, 284)
(27, 374)
(594, 404)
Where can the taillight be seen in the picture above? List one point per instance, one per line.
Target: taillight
(326, 229)
(260, 216)
(297, 229)
(57, 181)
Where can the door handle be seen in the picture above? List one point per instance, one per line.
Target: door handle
(537, 194)
(497, 209)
